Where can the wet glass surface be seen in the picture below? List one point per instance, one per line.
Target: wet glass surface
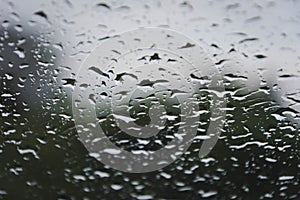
(254, 45)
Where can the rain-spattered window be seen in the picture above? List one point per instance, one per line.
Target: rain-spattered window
(149, 99)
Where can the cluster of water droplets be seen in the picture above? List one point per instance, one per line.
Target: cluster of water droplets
(254, 44)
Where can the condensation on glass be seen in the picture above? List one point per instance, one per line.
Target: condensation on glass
(254, 45)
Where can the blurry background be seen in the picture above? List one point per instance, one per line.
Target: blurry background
(254, 44)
